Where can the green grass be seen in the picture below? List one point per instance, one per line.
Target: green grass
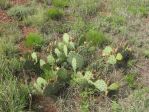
(55, 13)
(60, 3)
(33, 40)
(12, 97)
(95, 37)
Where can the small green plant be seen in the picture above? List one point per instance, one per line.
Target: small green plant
(144, 11)
(33, 40)
(55, 13)
(130, 79)
(146, 53)
(95, 38)
(60, 3)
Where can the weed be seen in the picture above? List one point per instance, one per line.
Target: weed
(60, 3)
(146, 53)
(130, 79)
(95, 37)
(34, 40)
(55, 13)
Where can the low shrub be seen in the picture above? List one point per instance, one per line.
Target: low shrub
(55, 13)
(33, 40)
(95, 37)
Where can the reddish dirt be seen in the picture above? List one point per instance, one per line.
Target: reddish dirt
(19, 2)
(4, 18)
(26, 30)
(23, 49)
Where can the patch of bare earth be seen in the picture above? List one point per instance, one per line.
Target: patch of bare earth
(19, 2)
(26, 30)
(4, 18)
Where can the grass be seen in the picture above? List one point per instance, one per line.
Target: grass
(12, 97)
(4, 4)
(33, 40)
(20, 12)
(137, 102)
(92, 25)
(55, 13)
(60, 3)
(95, 37)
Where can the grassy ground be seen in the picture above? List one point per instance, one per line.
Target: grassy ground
(74, 56)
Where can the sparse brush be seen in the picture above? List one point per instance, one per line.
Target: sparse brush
(20, 12)
(85, 7)
(37, 19)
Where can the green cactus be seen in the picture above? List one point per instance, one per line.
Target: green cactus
(79, 59)
(62, 75)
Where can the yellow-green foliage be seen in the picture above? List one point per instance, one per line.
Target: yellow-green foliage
(60, 3)
(33, 40)
(55, 13)
(95, 37)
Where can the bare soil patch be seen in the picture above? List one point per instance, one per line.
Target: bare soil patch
(19, 2)
(26, 30)
(4, 18)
